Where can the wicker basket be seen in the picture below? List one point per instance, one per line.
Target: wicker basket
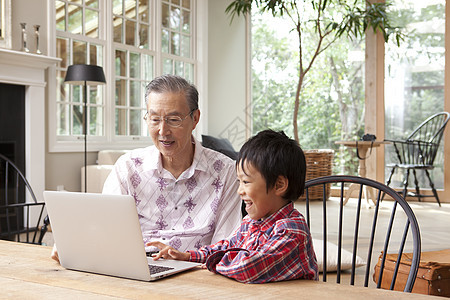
(318, 163)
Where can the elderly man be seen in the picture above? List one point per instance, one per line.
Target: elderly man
(186, 195)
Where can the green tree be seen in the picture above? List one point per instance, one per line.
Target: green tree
(333, 99)
(323, 22)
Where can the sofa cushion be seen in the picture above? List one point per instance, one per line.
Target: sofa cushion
(221, 145)
(109, 157)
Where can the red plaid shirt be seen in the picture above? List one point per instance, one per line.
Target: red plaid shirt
(275, 249)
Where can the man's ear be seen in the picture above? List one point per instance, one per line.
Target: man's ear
(196, 117)
(281, 185)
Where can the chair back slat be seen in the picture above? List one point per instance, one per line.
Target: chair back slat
(341, 213)
(356, 234)
(365, 237)
(325, 232)
(399, 255)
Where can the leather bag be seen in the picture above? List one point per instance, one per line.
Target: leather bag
(433, 276)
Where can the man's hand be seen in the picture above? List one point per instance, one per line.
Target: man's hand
(55, 253)
(168, 252)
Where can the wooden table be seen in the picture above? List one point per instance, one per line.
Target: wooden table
(28, 272)
(363, 147)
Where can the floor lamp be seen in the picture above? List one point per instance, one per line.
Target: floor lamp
(85, 75)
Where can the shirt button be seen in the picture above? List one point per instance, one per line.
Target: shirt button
(176, 208)
(163, 239)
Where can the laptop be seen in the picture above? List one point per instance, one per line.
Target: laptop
(101, 234)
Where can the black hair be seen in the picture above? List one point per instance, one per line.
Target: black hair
(174, 83)
(274, 154)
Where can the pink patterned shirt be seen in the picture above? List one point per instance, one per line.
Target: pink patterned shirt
(198, 208)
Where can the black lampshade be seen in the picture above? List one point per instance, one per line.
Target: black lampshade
(79, 74)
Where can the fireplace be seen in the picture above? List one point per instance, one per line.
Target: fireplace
(30, 74)
(12, 123)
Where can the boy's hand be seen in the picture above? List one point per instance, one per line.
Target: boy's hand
(168, 252)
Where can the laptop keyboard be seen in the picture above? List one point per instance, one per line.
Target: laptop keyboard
(154, 269)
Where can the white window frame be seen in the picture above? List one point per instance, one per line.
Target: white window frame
(109, 140)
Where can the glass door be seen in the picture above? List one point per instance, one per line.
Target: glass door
(414, 78)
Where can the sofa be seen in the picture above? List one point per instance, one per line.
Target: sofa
(97, 174)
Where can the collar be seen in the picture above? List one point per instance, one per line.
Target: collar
(155, 163)
(282, 213)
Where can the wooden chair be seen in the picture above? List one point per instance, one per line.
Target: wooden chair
(364, 241)
(18, 207)
(418, 152)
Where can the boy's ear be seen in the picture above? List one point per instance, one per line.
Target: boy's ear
(281, 185)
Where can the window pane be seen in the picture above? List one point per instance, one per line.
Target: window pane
(143, 36)
(186, 22)
(175, 46)
(95, 94)
(189, 72)
(92, 3)
(130, 9)
(179, 70)
(185, 46)
(79, 52)
(165, 15)
(77, 94)
(175, 18)
(60, 15)
(121, 62)
(121, 122)
(62, 110)
(414, 76)
(165, 41)
(63, 91)
(147, 66)
(130, 33)
(117, 7)
(135, 122)
(62, 51)
(75, 19)
(186, 4)
(143, 11)
(134, 65)
(118, 25)
(167, 66)
(95, 55)
(95, 121)
(135, 94)
(177, 2)
(91, 23)
(121, 96)
(77, 117)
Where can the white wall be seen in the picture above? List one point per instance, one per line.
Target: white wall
(226, 74)
(32, 13)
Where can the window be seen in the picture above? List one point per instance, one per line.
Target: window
(134, 41)
(78, 43)
(176, 38)
(332, 96)
(414, 76)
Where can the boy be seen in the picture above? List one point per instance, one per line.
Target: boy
(273, 242)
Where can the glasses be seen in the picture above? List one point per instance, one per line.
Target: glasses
(172, 121)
